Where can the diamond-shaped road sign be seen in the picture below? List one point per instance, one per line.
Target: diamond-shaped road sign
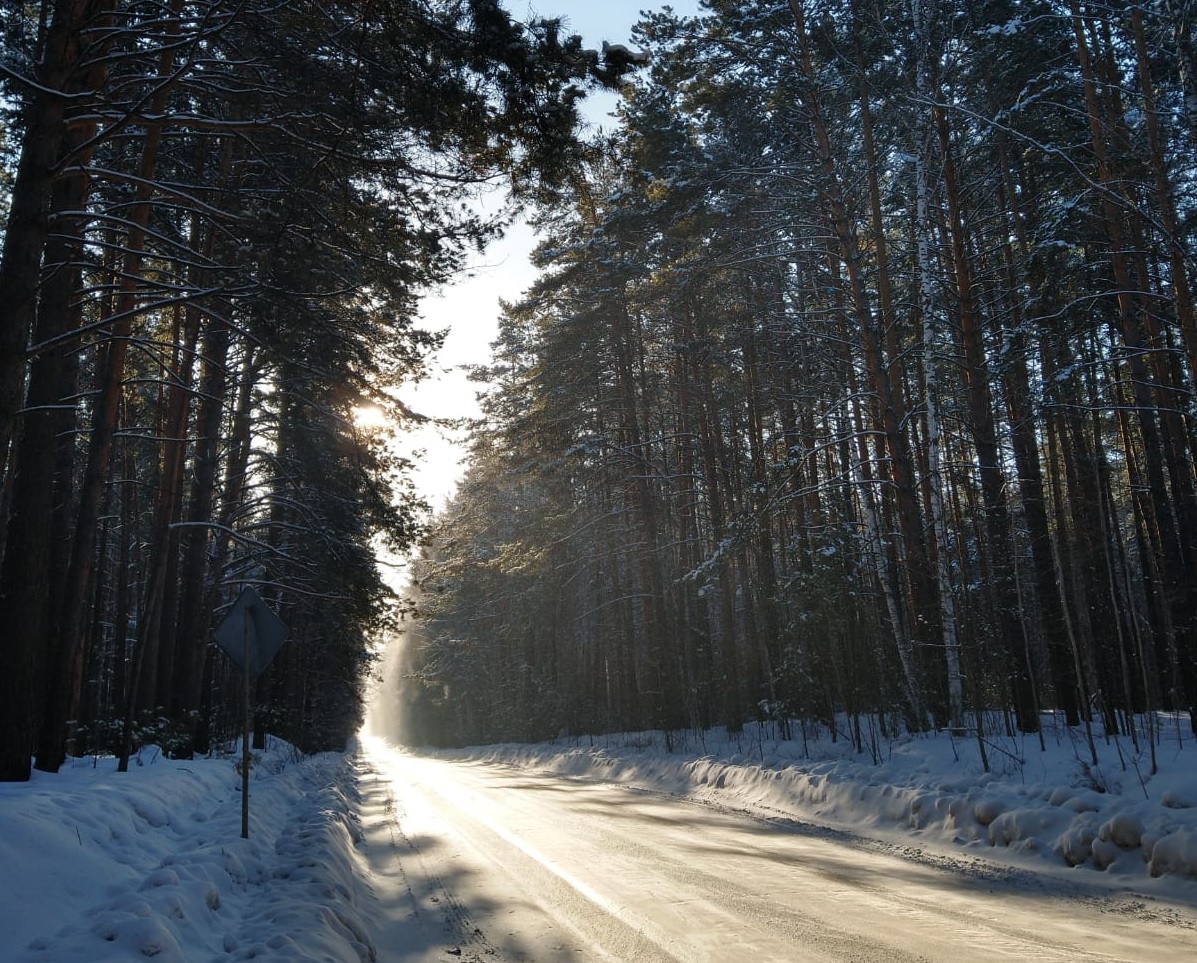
(268, 632)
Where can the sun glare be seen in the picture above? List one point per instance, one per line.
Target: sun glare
(369, 417)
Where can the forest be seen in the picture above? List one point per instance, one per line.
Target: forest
(218, 218)
(857, 384)
(856, 390)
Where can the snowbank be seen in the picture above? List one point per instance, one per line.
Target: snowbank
(104, 866)
(1036, 807)
(101, 866)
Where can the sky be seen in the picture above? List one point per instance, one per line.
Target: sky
(469, 307)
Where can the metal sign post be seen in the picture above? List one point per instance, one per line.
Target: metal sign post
(249, 641)
(250, 634)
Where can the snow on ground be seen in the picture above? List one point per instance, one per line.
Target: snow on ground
(1039, 807)
(104, 866)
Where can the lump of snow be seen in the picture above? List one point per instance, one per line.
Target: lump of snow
(161, 877)
(134, 935)
(1059, 795)
(154, 814)
(1175, 854)
(1085, 802)
(1104, 853)
(1172, 799)
(1018, 824)
(1076, 843)
(1124, 830)
(987, 810)
(922, 809)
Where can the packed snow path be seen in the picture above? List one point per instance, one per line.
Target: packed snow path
(497, 863)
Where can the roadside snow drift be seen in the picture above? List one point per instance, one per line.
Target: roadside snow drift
(1048, 806)
(100, 865)
(104, 866)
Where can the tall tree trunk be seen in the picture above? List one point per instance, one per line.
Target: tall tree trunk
(1181, 13)
(1016, 392)
(25, 229)
(111, 368)
(765, 595)
(123, 601)
(196, 576)
(889, 405)
(35, 564)
(1172, 565)
(657, 633)
(154, 619)
(929, 311)
(985, 440)
(24, 603)
(1165, 201)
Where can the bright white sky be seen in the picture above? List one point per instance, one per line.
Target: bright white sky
(470, 307)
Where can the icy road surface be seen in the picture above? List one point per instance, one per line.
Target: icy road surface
(477, 862)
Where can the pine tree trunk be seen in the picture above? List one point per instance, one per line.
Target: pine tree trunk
(196, 576)
(26, 226)
(1129, 326)
(1181, 13)
(155, 616)
(985, 441)
(1016, 391)
(929, 313)
(111, 369)
(656, 632)
(889, 405)
(1165, 202)
(37, 561)
(20, 272)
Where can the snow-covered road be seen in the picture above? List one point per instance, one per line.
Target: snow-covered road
(488, 862)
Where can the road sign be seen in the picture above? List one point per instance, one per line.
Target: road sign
(269, 632)
(250, 634)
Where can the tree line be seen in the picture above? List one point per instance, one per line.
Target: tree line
(218, 219)
(858, 383)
